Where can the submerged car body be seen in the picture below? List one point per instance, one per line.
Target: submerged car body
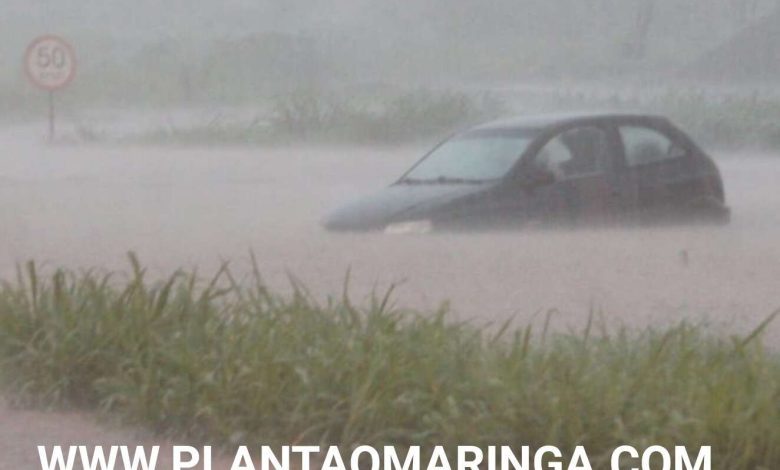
(549, 170)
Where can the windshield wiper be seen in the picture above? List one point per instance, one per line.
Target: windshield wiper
(442, 180)
(413, 181)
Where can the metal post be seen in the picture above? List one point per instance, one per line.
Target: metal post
(51, 117)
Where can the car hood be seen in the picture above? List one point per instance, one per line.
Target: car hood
(397, 203)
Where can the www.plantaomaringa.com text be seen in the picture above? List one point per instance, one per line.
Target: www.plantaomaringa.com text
(372, 458)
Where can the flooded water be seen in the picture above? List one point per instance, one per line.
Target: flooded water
(84, 206)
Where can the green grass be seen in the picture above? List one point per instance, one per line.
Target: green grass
(229, 361)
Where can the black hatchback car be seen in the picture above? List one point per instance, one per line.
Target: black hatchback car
(549, 170)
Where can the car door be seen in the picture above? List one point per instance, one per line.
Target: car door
(580, 162)
(658, 170)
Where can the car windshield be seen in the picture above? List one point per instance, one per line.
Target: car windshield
(473, 157)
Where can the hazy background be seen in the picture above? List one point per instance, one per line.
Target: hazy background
(196, 52)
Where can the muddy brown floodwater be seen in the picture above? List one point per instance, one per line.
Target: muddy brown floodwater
(83, 206)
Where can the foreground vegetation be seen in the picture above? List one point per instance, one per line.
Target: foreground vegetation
(230, 362)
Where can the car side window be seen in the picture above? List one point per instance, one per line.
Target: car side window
(575, 152)
(644, 146)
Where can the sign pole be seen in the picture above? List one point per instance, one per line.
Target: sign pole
(51, 116)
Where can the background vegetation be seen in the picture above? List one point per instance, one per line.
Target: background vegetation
(721, 121)
(328, 118)
(231, 362)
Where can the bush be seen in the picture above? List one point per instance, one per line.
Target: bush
(232, 362)
(307, 116)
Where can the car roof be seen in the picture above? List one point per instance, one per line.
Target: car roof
(542, 121)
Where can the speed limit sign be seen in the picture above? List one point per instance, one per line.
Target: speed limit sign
(50, 62)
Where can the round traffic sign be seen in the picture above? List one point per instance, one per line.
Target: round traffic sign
(50, 62)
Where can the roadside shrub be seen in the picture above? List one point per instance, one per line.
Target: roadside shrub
(314, 117)
(230, 362)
